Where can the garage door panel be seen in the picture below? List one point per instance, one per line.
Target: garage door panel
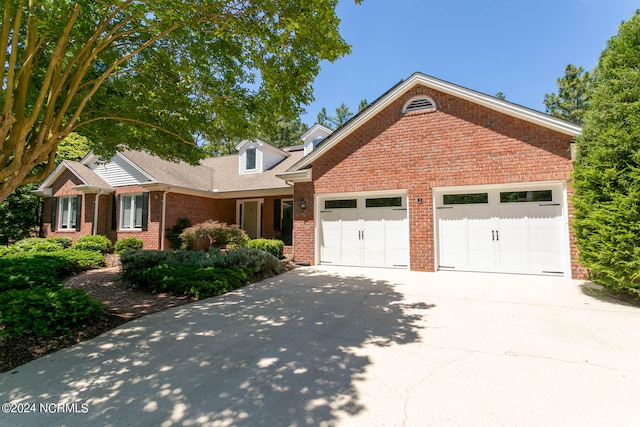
(367, 236)
(513, 235)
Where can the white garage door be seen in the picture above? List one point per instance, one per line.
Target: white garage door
(510, 230)
(364, 231)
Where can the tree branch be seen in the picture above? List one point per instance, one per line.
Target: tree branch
(140, 122)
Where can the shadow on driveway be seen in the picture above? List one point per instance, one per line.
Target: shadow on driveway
(280, 352)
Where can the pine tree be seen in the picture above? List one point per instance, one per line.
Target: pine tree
(606, 179)
(573, 97)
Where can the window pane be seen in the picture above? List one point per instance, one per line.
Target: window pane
(383, 202)
(287, 209)
(138, 207)
(251, 158)
(526, 196)
(73, 201)
(64, 212)
(126, 211)
(465, 199)
(341, 204)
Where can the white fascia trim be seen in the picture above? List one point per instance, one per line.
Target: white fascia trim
(505, 107)
(296, 176)
(315, 128)
(48, 182)
(90, 189)
(263, 145)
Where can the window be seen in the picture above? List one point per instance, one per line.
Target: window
(526, 196)
(341, 204)
(133, 211)
(251, 159)
(69, 213)
(383, 202)
(465, 199)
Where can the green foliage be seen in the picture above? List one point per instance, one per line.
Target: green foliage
(173, 234)
(23, 270)
(32, 299)
(573, 97)
(197, 273)
(128, 243)
(146, 75)
(214, 234)
(36, 244)
(273, 246)
(65, 242)
(45, 310)
(20, 214)
(606, 177)
(342, 116)
(95, 243)
(192, 281)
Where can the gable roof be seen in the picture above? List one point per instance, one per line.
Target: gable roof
(415, 79)
(90, 180)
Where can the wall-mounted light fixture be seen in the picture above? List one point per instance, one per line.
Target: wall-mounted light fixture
(303, 203)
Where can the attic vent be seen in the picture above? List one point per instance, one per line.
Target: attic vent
(422, 103)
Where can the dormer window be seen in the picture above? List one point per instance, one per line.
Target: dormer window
(419, 104)
(251, 159)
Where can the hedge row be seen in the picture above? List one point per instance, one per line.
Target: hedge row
(197, 274)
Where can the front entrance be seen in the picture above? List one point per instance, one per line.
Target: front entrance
(249, 216)
(514, 229)
(364, 230)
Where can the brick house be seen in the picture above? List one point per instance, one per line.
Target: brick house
(431, 176)
(137, 194)
(434, 176)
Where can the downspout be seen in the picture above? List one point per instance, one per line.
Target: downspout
(164, 217)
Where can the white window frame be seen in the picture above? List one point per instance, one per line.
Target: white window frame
(68, 223)
(131, 199)
(255, 159)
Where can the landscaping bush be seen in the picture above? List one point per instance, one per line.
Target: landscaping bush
(194, 282)
(93, 243)
(35, 244)
(45, 310)
(173, 234)
(214, 234)
(26, 270)
(64, 242)
(197, 273)
(128, 243)
(273, 246)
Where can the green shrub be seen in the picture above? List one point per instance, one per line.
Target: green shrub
(173, 234)
(36, 244)
(192, 281)
(65, 242)
(128, 243)
(274, 246)
(197, 273)
(214, 234)
(93, 243)
(25, 270)
(45, 310)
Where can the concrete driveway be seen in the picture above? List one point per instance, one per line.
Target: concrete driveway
(352, 347)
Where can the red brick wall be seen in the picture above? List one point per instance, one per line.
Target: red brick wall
(64, 187)
(461, 143)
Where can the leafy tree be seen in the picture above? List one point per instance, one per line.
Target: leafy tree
(20, 212)
(606, 179)
(156, 75)
(501, 95)
(284, 133)
(573, 97)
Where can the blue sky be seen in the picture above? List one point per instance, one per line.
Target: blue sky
(516, 47)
